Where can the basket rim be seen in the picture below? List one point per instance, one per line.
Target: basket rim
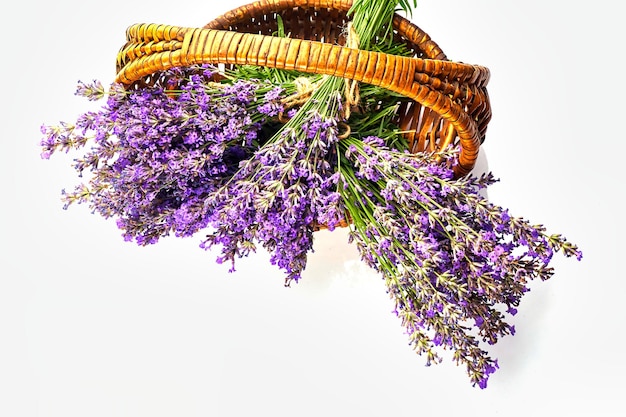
(409, 30)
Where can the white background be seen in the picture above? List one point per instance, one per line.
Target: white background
(92, 326)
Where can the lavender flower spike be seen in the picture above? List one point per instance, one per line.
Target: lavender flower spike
(449, 257)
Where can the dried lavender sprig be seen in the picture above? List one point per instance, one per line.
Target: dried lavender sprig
(449, 257)
(158, 152)
(280, 194)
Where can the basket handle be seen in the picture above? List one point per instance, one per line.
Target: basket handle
(152, 48)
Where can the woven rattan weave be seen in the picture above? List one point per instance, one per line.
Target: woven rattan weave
(449, 101)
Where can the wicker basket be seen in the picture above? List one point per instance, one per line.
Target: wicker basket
(448, 102)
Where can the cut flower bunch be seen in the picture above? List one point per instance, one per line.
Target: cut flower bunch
(253, 155)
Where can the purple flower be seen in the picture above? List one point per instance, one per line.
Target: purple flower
(158, 155)
(448, 256)
(278, 197)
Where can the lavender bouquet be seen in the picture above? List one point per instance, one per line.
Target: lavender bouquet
(256, 156)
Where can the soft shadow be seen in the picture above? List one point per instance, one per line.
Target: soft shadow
(331, 255)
